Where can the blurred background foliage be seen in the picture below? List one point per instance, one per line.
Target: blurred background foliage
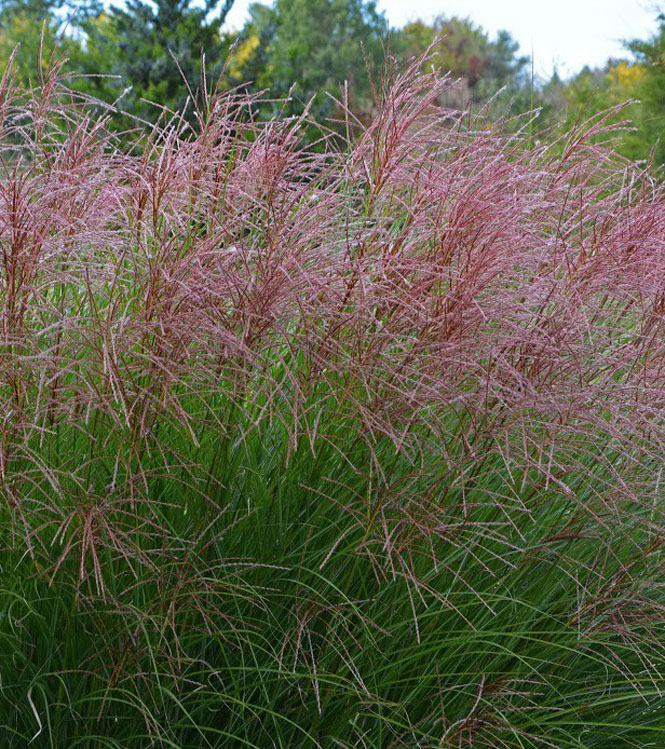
(125, 54)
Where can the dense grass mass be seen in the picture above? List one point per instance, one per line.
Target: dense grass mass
(356, 448)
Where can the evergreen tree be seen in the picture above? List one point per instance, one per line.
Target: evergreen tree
(142, 42)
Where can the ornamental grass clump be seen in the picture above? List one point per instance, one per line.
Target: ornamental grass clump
(354, 447)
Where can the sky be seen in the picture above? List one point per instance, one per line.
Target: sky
(564, 34)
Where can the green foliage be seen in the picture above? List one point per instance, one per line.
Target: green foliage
(617, 86)
(318, 45)
(466, 51)
(38, 32)
(634, 87)
(26, 27)
(649, 88)
(146, 56)
(18, 26)
(250, 63)
(155, 49)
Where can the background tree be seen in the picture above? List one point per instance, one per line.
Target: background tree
(565, 104)
(250, 62)
(125, 54)
(466, 51)
(139, 42)
(648, 85)
(28, 25)
(317, 44)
